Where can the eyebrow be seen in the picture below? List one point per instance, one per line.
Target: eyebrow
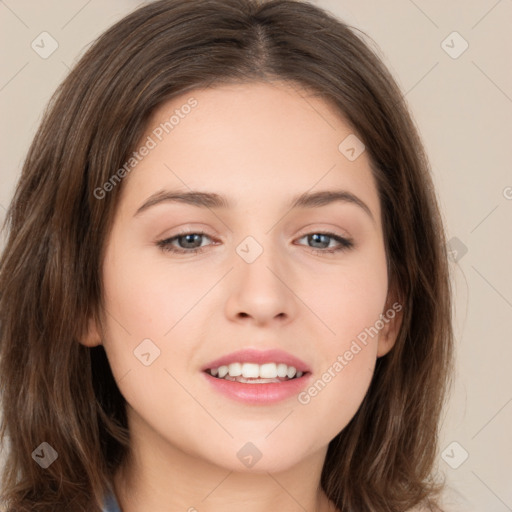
(216, 201)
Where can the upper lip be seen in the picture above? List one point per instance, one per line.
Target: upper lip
(258, 357)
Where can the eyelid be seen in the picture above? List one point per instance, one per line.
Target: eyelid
(165, 243)
(330, 230)
(344, 243)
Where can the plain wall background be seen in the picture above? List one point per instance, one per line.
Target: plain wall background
(463, 109)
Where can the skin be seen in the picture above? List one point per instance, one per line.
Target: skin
(259, 144)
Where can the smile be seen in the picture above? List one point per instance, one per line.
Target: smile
(257, 377)
(252, 373)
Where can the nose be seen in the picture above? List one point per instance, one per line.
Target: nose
(262, 291)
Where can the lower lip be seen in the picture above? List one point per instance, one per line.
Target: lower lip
(258, 393)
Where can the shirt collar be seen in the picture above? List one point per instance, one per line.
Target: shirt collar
(110, 504)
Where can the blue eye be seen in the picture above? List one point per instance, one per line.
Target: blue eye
(320, 238)
(189, 240)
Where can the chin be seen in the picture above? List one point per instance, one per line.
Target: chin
(260, 456)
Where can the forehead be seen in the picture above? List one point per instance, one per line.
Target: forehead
(254, 142)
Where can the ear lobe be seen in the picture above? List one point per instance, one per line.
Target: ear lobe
(92, 337)
(392, 320)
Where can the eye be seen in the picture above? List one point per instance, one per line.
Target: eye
(188, 243)
(322, 238)
(188, 240)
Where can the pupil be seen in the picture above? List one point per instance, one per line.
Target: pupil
(189, 237)
(317, 236)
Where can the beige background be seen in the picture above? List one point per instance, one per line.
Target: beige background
(463, 108)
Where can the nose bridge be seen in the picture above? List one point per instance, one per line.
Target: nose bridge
(261, 272)
(260, 260)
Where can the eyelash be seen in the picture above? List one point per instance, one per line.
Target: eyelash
(165, 245)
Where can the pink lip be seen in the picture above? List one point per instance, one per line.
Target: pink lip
(259, 357)
(259, 394)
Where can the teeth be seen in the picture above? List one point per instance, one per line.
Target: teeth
(282, 370)
(256, 371)
(223, 371)
(251, 381)
(268, 371)
(250, 370)
(235, 369)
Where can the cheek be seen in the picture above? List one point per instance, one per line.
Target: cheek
(337, 393)
(350, 308)
(148, 306)
(148, 297)
(349, 299)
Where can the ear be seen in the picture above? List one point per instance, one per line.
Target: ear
(392, 319)
(92, 337)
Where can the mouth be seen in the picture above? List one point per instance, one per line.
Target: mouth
(258, 377)
(253, 373)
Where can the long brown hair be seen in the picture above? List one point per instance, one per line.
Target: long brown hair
(55, 390)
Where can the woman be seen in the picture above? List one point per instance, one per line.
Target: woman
(298, 356)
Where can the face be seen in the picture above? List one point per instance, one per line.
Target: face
(255, 271)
